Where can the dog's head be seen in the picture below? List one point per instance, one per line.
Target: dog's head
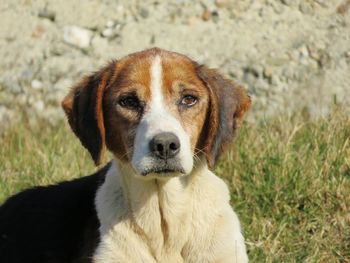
(157, 110)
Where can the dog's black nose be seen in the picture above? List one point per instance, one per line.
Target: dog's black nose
(165, 145)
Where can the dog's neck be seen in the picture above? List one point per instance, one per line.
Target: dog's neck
(155, 207)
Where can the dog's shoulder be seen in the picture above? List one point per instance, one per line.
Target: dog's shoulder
(56, 222)
(216, 190)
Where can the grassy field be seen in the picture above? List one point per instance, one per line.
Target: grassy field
(289, 178)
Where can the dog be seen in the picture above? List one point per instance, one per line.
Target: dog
(166, 119)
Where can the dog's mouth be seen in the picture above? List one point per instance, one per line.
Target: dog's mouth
(164, 171)
(159, 168)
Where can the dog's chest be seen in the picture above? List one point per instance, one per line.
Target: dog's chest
(153, 219)
(165, 219)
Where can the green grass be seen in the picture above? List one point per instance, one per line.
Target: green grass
(289, 178)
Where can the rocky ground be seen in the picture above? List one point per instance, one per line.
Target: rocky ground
(290, 54)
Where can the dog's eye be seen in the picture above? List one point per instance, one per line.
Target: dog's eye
(188, 100)
(130, 102)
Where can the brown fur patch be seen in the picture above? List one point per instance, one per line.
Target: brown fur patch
(131, 77)
(228, 104)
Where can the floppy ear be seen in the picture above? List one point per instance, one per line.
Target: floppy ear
(228, 104)
(83, 107)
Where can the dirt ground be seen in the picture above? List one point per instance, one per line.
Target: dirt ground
(290, 54)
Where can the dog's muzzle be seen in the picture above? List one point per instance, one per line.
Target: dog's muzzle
(164, 149)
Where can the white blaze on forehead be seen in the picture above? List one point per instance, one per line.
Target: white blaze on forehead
(156, 83)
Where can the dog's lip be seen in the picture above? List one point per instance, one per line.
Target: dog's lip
(162, 171)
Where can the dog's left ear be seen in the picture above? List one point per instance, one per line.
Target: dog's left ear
(83, 107)
(228, 104)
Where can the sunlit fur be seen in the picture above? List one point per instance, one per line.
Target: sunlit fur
(182, 219)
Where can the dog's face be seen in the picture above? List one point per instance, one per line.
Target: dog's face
(149, 111)
(157, 110)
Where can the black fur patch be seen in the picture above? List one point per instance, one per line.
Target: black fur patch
(52, 224)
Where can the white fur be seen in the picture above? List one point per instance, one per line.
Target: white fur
(156, 120)
(201, 225)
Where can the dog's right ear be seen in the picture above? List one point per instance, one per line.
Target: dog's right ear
(83, 107)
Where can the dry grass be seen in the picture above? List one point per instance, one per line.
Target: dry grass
(39, 156)
(289, 179)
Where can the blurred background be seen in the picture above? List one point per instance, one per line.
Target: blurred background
(291, 55)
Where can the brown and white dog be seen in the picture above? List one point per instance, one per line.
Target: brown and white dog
(165, 118)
